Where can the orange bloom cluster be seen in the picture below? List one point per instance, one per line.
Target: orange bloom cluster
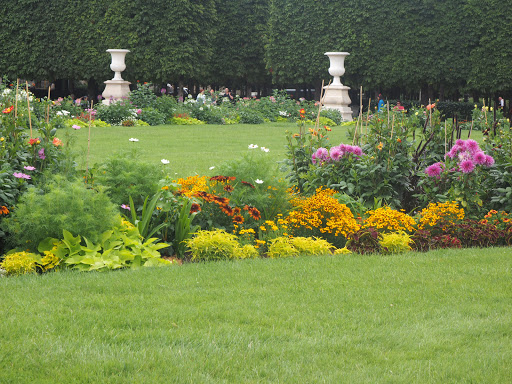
(389, 220)
(435, 212)
(500, 219)
(4, 210)
(193, 184)
(323, 212)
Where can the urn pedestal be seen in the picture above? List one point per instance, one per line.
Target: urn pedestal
(117, 88)
(336, 94)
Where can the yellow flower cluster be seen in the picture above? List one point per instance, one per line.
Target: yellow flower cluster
(323, 212)
(193, 184)
(388, 219)
(435, 212)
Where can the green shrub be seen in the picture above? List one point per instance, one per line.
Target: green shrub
(119, 247)
(248, 116)
(448, 109)
(333, 115)
(217, 245)
(143, 96)
(270, 196)
(395, 242)
(64, 205)
(152, 116)
(167, 105)
(122, 177)
(19, 263)
(116, 112)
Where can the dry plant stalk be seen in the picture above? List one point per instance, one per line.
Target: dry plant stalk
(48, 107)
(16, 101)
(28, 103)
(88, 144)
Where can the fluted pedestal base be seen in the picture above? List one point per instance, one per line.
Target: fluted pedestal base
(115, 90)
(336, 97)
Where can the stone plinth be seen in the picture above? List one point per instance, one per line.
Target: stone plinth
(336, 97)
(115, 90)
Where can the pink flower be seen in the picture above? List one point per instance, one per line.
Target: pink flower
(434, 170)
(74, 126)
(336, 153)
(20, 175)
(472, 146)
(138, 111)
(322, 154)
(479, 157)
(41, 154)
(467, 166)
(29, 167)
(489, 160)
(127, 207)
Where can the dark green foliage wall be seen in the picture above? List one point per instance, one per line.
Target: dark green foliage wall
(442, 47)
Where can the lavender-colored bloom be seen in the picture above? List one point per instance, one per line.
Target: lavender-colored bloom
(336, 153)
(467, 166)
(29, 167)
(313, 158)
(479, 158)
(163, 91)
(489, 161)
(41, 154)
(74, 126)
(100, 97)
(127, 207)
(434, 170)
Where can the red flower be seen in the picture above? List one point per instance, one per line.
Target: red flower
(227, 210)
(195, 208)
(302, 113)
(34, 141)
(8, 110)
(228, 188)
(248, 184)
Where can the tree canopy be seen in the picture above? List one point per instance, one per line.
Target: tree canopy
(406, 46)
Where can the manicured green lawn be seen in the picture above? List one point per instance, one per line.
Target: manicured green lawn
(191, 149)
(439, 317)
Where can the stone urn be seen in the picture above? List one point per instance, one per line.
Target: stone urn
(117, 88)
(336, 94)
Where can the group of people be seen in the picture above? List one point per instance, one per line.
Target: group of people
(201, 96)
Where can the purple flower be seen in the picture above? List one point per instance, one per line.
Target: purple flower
(434, 170)
(467, 166)
(74, 126)
(489, 160)
(479, 158)
(100, 97)
(124, 206)
(41, 154)
(336, 153)
(460, 143)
(358, 151)
(29, 167)
(163, 91)
(20, 175)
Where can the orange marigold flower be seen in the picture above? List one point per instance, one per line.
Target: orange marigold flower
(4, 210)
(228, 188)
(57, 142)
(34, 141)
(237, 210)
(238, 219)
(227, 210)
(254, 213)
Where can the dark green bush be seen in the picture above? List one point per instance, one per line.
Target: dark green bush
(116, 112)
(122, 177)
(248, 116)
(152, 116)
(143, 96)
(449, 109)
(64, 205)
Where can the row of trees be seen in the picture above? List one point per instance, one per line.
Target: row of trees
(396, 46)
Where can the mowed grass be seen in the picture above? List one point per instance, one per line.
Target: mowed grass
(439, 317)
(191, 149)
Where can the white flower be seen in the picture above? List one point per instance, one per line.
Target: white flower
(165, 161)
(133, 139)
(258, 181)
(265, 149)
(211, 168)
(200, 108)
(253, 146)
